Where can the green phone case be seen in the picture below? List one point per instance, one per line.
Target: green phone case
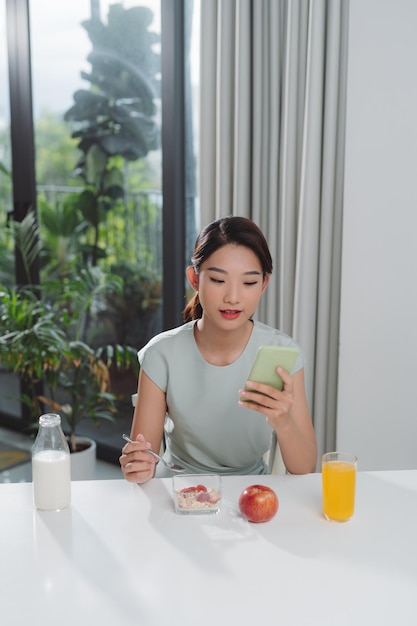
(267, 359)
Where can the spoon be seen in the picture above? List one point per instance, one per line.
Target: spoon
(171, 466)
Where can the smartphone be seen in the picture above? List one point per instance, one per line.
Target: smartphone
(267, 359)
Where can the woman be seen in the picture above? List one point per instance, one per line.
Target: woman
(192, 378)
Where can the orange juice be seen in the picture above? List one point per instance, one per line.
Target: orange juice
(339, 480)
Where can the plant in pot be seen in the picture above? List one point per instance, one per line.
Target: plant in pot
(115, 120)
(83, 393)
(32, 344)
(42, 339)
(36, 343)
(131, 316)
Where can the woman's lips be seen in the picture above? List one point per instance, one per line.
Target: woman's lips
(230, 314)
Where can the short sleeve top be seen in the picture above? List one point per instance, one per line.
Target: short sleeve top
(206, 430)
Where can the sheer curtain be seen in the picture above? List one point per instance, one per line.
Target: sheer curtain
(273, 76)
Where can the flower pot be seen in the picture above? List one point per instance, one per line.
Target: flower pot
(83, 462)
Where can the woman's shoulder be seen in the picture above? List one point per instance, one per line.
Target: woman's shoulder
(264, 335)
(169, 338)
(267, 335)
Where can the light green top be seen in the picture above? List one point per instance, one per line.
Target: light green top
(206, 430)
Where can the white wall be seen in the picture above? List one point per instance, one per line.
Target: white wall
(377, 403)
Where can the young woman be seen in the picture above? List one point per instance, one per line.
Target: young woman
(192, 378)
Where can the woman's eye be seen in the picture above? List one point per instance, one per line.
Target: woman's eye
(246, 284)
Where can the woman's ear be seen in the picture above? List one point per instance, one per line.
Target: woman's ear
(192, 277)
(266, 281)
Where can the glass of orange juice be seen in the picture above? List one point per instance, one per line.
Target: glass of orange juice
(338, 470)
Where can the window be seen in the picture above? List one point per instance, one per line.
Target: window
(107, 186)
(96, 72)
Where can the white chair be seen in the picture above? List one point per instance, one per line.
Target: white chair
(273, 458)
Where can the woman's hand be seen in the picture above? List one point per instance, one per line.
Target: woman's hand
(138, 466)
(288, 414)
(274, 404)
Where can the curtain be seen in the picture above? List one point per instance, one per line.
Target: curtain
(272, 128)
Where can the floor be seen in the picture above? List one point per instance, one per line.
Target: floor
(23, 473)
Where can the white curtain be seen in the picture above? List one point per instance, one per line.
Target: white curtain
(273, 76)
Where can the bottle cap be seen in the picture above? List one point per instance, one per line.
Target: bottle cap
(50, 419)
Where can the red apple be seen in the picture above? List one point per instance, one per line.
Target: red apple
(258, 503)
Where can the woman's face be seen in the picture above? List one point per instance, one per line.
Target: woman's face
(230, 284)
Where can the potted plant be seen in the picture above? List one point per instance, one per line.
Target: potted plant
(115, 119)
(44, 339)
(84, 392)
(36, 343)
(131, 315)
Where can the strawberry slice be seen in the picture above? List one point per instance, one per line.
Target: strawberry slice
(193, 489)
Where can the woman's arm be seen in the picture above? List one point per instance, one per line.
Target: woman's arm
(147, 429)
(288, 414)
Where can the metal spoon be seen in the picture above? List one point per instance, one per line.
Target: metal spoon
(171, 466)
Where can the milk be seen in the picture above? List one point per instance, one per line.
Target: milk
(51, 474)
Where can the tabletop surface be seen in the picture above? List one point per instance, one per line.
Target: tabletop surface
(121, 555)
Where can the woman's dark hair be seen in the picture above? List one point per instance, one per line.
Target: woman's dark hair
(233, 229)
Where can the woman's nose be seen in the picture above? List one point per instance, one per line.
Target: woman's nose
(231, 296)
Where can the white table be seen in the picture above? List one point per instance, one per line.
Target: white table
(120, 555)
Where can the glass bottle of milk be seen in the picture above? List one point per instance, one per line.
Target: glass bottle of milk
(51, 471)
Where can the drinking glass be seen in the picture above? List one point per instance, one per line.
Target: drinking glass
(338, 471)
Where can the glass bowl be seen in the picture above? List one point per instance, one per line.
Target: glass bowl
(196, 494)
